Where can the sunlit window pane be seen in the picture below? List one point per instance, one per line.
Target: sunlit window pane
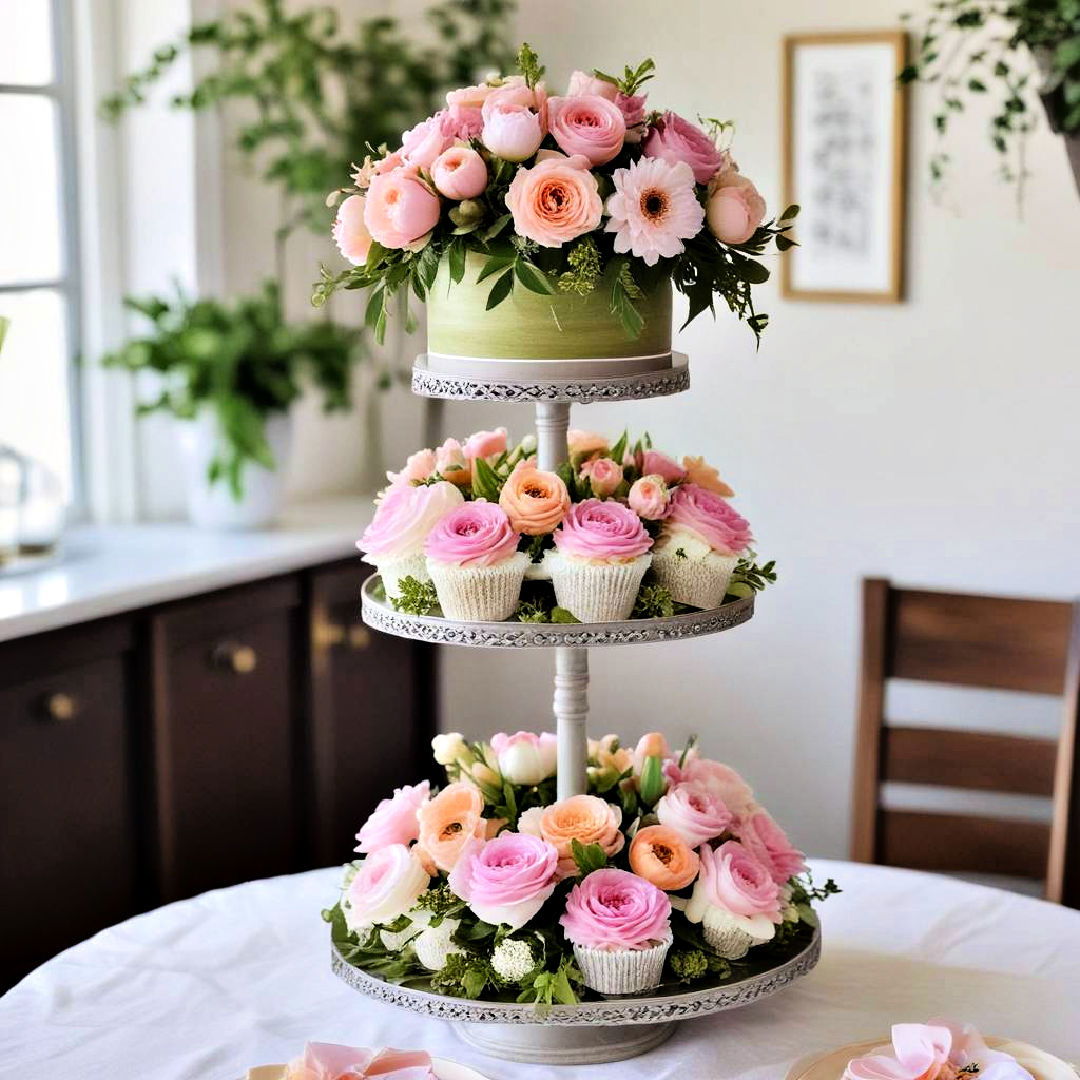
(26, 55)
(34, 405)
(29, 189)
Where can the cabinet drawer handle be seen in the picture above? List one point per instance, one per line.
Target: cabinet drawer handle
(234, 657)
(59, 707)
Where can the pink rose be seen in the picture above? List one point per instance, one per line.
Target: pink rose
(513, 128)
(604, 474)
(614, 909)
(485, 444)
(400, 208)
(763, 838)
(349, 231)
(422, 144)
(735, 208)
(555, 201)
(525, 757)
(695, 813)
(403, 519)
(596, 529)
(721, 780)
(451, 465)
(476, 534)
(393, 161)
(732, 879)
(675, 139)
(632, 107)
(394, 820)
(385, 887)
(650, 498)
(418, 467)
(463, 123)
(588, 125)
(653, 463)
(584, 85)
(469, 97)
(506, 881)
(709, 517)
(459, 173)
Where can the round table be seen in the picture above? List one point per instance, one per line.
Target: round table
(201, 989)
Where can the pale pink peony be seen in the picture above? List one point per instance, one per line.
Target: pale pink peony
(555, 201)
(450, 463)
(476, 534)
(709, 517)
(394, 820)
(735, 208)
(588, 125)
(349, 231)
(722, 780)
(422, 144)
(459, 173)
(694, 812)
(604, 475)
(675, 139)
(605, 530)
(649, 498)
(393, 161)
(653, 463)
(584, 85)
(463, 122)
(470, 97)
(614, 909)
(513, 122)
(763, 838)
(400, 208)
(654, 209)
(525, 757)
(732, 879)
(386, 886)
(418, 467)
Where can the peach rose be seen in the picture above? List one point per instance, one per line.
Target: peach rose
(659, 855)
(350, 233)
(400, 208)
(448, 822)
(585, 444)
(422, 144)
(585, 818)
(459, 173)
(649, 498)
(700, 472)
(735, 208)
(555, 201)
(587, 124)
(535, 501)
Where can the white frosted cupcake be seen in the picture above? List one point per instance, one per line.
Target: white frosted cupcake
(472, 558)
(394, 541)
(699, 546)
(602, 553)
(620, 927)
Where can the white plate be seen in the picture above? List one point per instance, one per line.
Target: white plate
(444, 1070)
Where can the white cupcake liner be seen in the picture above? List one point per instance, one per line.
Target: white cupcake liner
(701, 582)
(597, 592)
(730, 936)
(479, 593)
(622, 971)
(392, 571)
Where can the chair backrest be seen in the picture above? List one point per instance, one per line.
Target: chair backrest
(974, 641)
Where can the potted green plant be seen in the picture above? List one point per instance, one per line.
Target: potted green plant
(228, 373)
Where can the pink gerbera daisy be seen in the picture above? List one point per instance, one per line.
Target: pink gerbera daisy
(654, 208)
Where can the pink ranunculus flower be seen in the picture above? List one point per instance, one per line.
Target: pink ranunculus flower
(424, 142)
(513, 123)
(485, 444)
(403, 519)
(450, 463)
(588, 125)
(418, 467)
(604, 475)
(400, 208)
(602, 529)
(584, 85)
(506, 881)
(349, 231)
(632, 107)
(695, 813)
(525, 757)
(653, 463)
(735, 881)
(762, 837)
(614, 909)
(735, 208)
(475, 534)
(459, 173)
(709, 517)
(675, 139)
(722, 780)
(386, 886)
(394, 820)
(555, 201)
(650, 498)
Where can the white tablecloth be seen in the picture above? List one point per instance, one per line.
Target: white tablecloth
(201, 989)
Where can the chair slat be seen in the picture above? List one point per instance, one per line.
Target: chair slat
(958, 843)
(985, 641)
(972, 760)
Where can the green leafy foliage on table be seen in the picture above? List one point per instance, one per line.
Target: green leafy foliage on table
(417, 597)
(241, 360)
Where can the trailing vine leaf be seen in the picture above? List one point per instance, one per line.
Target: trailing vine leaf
(624, 291)
(533, 278)
(500, 290)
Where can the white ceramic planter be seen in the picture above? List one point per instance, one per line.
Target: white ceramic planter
(212, 506)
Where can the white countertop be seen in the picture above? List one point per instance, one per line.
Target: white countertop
(106, 570)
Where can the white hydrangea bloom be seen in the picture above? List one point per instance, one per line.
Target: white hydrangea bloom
(395, 941)
(513, 959)
(435, 944)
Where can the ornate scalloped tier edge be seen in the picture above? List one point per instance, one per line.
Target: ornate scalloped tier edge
(580, 391)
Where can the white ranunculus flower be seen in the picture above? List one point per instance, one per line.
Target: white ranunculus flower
(386, 886)
(435, 944)
(449, 748)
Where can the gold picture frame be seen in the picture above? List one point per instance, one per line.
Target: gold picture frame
(868, 235)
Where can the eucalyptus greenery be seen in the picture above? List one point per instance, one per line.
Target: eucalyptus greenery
(243, 361)
(1011, 51)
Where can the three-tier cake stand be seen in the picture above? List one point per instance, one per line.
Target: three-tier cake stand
(613, 1028)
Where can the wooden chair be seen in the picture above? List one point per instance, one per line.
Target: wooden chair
(975, 641)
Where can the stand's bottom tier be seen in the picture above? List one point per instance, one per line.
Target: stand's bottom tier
(541, 1045)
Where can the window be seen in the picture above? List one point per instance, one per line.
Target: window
(38, 238)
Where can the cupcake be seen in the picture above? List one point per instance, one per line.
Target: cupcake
(601, 556)
(620, 927)
(472, 558)
(699, 545)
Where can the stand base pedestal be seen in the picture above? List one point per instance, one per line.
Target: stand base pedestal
(557, 1044)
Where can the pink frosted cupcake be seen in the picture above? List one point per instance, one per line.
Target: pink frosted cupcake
(699, 546)
(473, 559)
(394, 541)
(620, 927)
(602, 553)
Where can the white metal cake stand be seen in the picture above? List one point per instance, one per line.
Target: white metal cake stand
(614, 1028)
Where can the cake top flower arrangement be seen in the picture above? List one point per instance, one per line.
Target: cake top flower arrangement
(571, 193)
(665, 870)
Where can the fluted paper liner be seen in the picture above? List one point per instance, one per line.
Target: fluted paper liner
(701, 582)
(622, 971)
(479, 593)
(597, 592)
(393, 570)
